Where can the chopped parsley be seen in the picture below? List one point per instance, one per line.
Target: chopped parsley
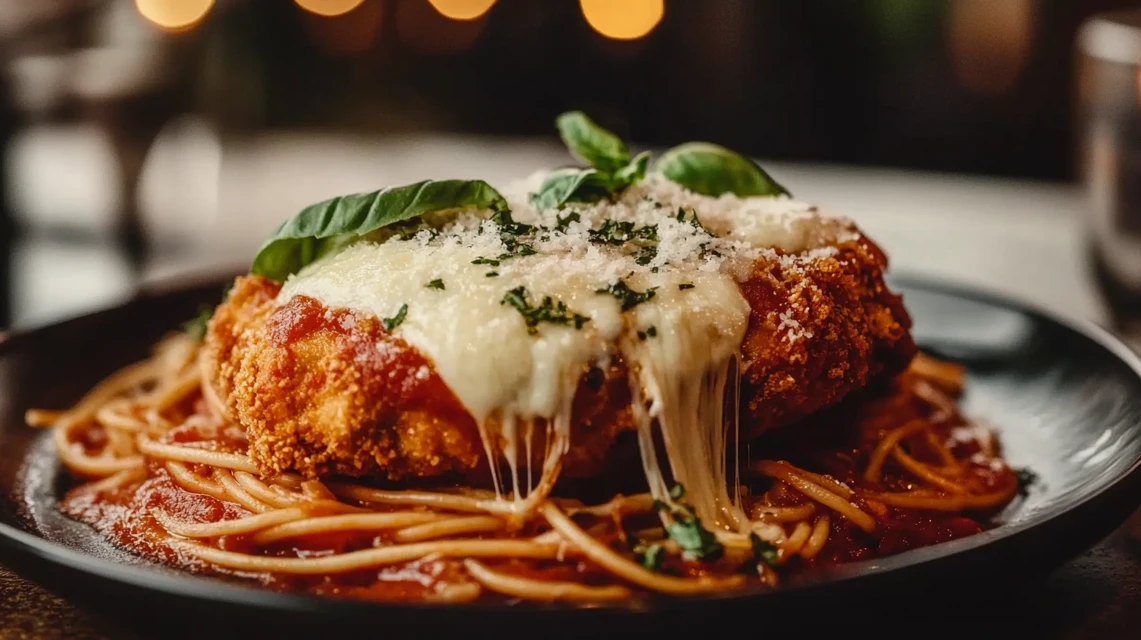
(692, 219)
(646, 254)
(436, 284)
(650, 332)
(491, 262)
(627, 296)
(411, 230)
(612, 232)
(508, 226)
(696, 542)
(685, 285)
(491, 274)
(562, 222)
(516, 249)
(548, 311)
(620, 232)
(394, 321)
(510, 233)
(648, 233)
(1026, 479)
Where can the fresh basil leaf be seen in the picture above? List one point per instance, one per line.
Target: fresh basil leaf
(571, 185)
(695, 540)
(713, 170)
(591, 143)
(322, 227)
(634, 171)
(612, 170)
(587, 185)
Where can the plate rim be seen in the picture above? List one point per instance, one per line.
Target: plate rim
(193, 587)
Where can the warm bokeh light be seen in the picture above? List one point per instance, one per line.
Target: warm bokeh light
(345, 34)
(421, 26)
(174, 15)
(462, 9)
(990, 42)
(623, 19)
(329, 8)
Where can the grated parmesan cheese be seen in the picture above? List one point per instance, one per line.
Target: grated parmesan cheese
(677, 256)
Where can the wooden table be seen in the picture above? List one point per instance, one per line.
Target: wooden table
(1019, 238)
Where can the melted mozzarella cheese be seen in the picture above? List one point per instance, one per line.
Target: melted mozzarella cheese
(680, 344)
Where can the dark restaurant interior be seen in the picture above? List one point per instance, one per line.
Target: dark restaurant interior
(92, 88)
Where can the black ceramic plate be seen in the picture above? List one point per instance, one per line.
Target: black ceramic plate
(1065, 398)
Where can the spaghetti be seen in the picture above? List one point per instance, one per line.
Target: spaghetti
(167, 476)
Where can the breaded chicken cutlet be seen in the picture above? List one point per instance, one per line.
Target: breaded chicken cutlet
(421, 352)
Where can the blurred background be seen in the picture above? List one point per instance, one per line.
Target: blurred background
(145, 139)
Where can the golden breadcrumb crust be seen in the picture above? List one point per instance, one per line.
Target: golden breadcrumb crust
(819, 329)
(327, 404)
(330, 403)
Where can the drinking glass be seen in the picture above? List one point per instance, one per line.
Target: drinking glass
(1109, 143)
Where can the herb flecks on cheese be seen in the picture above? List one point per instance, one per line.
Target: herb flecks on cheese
(534, 298)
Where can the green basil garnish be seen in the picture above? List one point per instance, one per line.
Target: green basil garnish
(634, 170)
(611, 169)
(325, 226)
(588, 185)
(701, 167)
(712, 170)
(686, 530)
(567, 185)
(591, 143)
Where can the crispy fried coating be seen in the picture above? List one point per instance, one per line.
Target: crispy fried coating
(330, 403)
(819, 328)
